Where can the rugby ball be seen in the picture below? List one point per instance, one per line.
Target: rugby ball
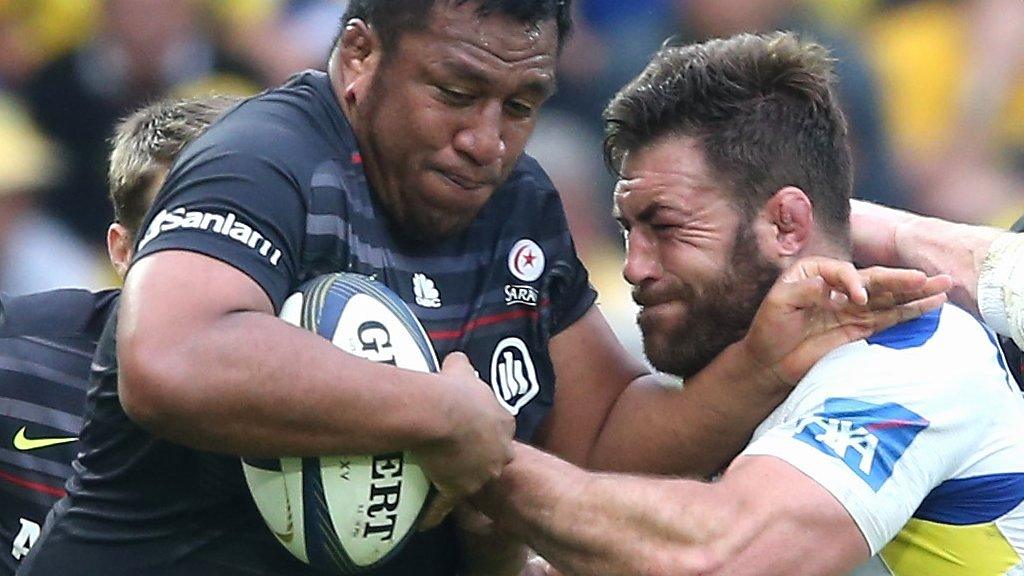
(348, 514)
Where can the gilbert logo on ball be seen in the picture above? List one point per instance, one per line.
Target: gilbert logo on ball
(348, 514)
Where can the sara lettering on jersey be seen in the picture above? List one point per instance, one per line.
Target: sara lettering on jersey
(521, 294)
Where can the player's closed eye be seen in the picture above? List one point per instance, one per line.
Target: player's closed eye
(455, 97)
(519, 109)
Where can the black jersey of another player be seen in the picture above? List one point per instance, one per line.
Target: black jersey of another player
(276, 189)
(46, 345)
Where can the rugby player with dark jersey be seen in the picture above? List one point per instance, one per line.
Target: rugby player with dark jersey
(46, 344)
(405, 161)
(47, 340)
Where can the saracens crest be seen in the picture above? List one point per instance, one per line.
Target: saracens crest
(526, 260)
(526, 263)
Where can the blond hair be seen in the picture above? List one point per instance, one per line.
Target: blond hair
(146, 143)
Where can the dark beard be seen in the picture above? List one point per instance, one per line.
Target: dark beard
(718, 314)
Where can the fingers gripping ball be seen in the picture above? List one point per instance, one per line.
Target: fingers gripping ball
(348, 514)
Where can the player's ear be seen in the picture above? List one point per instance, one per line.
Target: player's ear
(355, 58)
(119, 247)
(790, 216)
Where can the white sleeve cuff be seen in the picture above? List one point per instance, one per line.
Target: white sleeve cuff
(1001, 287)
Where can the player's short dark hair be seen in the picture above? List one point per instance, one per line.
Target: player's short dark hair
(392, 18)
(146, 142)
(764, 109)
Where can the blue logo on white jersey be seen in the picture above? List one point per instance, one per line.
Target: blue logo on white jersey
(869, 438)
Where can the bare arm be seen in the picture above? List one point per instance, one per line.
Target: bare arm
(696, 430)
(986, 264)
(204, 362)
(803, 529)
(607, 405)
(487, 551)
(764, 517)
(889, 237)
(591, 371)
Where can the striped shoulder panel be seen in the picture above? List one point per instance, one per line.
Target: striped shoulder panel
(961, 529)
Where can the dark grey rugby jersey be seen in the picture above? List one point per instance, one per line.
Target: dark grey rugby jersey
(276, 189)
(46, 345)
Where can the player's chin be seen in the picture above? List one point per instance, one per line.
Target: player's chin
(655, 336)
(428, 224)
(660, 353)
(441, 217)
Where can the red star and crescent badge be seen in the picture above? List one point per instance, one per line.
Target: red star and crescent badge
(526, 260)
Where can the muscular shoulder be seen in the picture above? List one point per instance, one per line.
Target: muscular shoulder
(943, 355)
(57, 313)
(293, 128)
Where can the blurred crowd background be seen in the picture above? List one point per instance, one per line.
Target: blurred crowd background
(933, 90)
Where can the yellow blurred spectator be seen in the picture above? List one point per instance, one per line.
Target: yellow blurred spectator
(243, 13)
(34, 32)
(278, 37)
(28, 160)
(845, 15)
(920, 54)
(953, 94)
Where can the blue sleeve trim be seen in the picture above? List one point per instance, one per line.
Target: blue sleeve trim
(974, 500)
(912, 334)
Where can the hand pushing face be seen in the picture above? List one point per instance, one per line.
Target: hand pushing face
(696, 270)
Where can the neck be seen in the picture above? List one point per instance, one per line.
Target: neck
(821, 244)
(830, 250)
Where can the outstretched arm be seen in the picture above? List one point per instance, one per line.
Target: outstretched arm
(986, 264)
(696, 430)
(608, 410)
(764, 517)
(890, 237)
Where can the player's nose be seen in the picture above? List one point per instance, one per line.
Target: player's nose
(481, 139)
(641, 259)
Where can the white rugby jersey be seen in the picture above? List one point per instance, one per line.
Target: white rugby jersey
(919, 433)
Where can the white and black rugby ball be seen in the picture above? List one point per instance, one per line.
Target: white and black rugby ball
(348, 514)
